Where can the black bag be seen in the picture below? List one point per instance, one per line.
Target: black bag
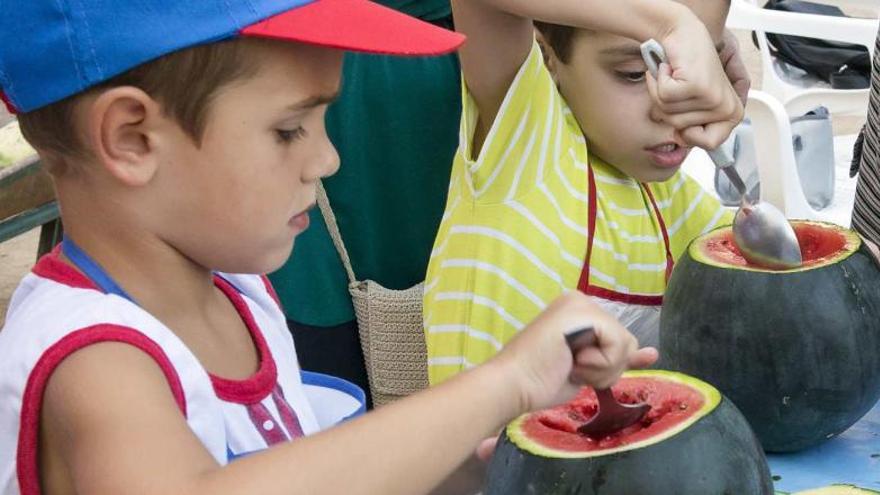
(843, 65)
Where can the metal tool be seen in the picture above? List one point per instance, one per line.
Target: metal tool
(611, 416)
(760, 230)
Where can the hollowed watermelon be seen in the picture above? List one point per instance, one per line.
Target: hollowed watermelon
(798, 351)
(693, 441)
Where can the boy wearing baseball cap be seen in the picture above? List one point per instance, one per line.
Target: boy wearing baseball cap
(185, 140)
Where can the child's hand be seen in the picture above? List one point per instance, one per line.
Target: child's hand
(734, 66)
(487, 448)
(541, 362)
(692, 92)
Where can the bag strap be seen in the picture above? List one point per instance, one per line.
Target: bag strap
(333, 229)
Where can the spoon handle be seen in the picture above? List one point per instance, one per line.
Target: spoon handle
(720, 157)
(580, 338)
(735, 179)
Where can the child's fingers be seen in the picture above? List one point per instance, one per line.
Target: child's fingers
(595, 378)
(592, 357)
(486, 449)
(679, 96)
(604, 377)
(734, 66)
(741, 88)
(671, 90)
(689, 119)
(693, 105)
(644, 357)
(651, 82)
(665, 90)
(708, 136)
(602, 365)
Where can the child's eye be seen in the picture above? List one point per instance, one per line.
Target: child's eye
(290, 135)
(633, 77)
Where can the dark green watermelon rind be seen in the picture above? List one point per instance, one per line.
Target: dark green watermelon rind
(817, 369)
(716, 455)
(709, 393)
(853, 243)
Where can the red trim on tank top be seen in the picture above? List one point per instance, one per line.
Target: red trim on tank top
(28, 470)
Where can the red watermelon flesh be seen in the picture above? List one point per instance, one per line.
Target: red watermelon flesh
(671, 404)
(817, 245)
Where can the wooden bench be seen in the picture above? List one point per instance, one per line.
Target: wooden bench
(27, 201)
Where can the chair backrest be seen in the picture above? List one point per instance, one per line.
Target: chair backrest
(796, 97)
(777, 168)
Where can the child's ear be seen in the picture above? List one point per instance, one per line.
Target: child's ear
(121, 127)
(550, 58)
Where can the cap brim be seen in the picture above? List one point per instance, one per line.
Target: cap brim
(357, 25)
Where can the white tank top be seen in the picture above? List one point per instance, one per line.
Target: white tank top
(56, 311)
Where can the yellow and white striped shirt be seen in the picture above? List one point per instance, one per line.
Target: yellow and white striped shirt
(514, 233)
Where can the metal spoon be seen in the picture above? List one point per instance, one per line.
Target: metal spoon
(760, 230)
(611, 415)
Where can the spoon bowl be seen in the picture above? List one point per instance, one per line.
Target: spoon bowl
(757, 234)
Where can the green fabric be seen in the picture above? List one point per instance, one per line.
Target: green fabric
(429, 10)
(396, 129)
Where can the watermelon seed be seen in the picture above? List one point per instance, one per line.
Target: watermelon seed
(576, 416)
(683, 406)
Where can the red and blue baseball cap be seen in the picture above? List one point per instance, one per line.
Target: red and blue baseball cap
(52, 49)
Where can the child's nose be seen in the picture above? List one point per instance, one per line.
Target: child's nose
(329, 160)
(325, 164)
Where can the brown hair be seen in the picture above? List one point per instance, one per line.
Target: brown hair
(559, 37)
(183, 82)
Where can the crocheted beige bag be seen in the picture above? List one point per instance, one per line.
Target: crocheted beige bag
(389, 323)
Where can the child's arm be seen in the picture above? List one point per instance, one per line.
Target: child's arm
(500, 34)
(121, 431)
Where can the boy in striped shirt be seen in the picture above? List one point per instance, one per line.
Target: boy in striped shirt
(567, 174)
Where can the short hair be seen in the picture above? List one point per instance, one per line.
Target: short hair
(559, 37)
(183, 82)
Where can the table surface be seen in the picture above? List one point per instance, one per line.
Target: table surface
(851, 458)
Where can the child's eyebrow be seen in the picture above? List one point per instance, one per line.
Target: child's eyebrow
(633, 50)
(314, 101)
(622, 51)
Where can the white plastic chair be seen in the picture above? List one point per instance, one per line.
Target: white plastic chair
(779, 99)
(799, 95)
(777, 169)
